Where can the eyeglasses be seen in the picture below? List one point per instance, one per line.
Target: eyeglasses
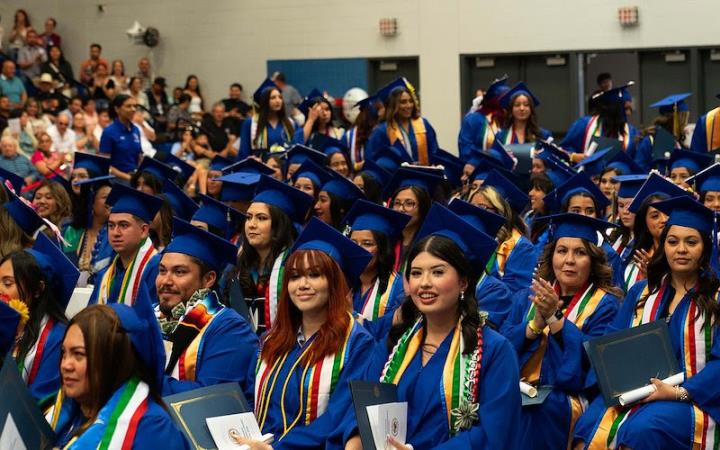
(407, 205)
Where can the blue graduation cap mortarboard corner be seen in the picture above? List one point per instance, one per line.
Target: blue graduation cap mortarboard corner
(61, 273)
(685, 211)
(555, 169)
(656, 185)
(299, 153)
(267, 84)
(351, 258)
(95, 164)
(183, 206)
(452, 166)
(24, 215)
(579, 183)
(426, 179)
(486, 221)
(615, 95)
(548, 145)
(706, 180)
(519, 89)
(328, 145)
(391, 157)
(218, 215)
(569, 225)
(380, 175)
(180, 167)
(400, 83)
(238, 186)
(313, 97)
(190, 240)
(624, 164)
(293, 202)
(629, 184)
(249, 165)
(316, 173)
(594, 164)
(502, 156)
(477, 246)
(365, 215)
(508, 190)
(673, 103)
(497, 88)
(368, 104)
(157, 168)
(342, 187)
(218, 163)
(693, 161)
(9, 321)
(16, 181)
(124, 199)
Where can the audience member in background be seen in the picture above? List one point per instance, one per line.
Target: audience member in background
(103, 121)
(74, 106)
(80, 130)
(102, 88)
(90, 112)
(39, 121)
(31, 55)
(179, 114)
(135, 91)
(16, 39)
(192, 88)
(177, 92)
(89, 66)
(291, 96)
(235, 107)
(50, 38)
(63, 138)
(147, 133)
(117, 74)
(121, 140)
(51, 101)
(221, 131)
(12, 161)
(46, 161)
(144, 73)
(158, 103)
(52, 202)
(11, 86)
(4, 112)
(25, 137)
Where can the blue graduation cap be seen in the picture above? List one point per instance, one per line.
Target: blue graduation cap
(693, 161)
(96, 165)
(594, 164)
(124, 199)
(61, 273)
(9, 321)
(249, 165)
(298, 154)
(380, 175)
(316, 173)
(329, 146)
(519, 89)
(157, 168)
(342, 187)
(555, 169)
(365, 215)
(685, 211)
(549, 145)
(218, 163)
(368, 104)
(62, 181)
(313, 97)
(656, 185)
(624, 164)
(317, 235)
(486, 221)
(391, 157)
(190, 240)
(477, 246)
(706, 180)
(615, 95)
(426, 179)
(95, 182)
(218, 215)
(507, 189)
(575, 226)
(629, 184)
(267, 84)
(497, 88)
(293, 202)
(180, 167)
(16, 181)
(577, 184)
(452, 166)
(238, 186)
(673, 103)
(400, 83)
(24, 215)
(502, 156)
(183, 206)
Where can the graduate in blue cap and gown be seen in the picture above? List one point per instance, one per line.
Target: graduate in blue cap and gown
(268, 127)
(403, 123)
(315, 347)
(336, 197)
(319, 120)
(707, 184)
(87, 165)
(297, 155)
(239, 182)
(371, 179)
(674, 114)
(111, 372)
(20, 225)
(151, 175)
(310, 177)
(274, 217)
(458, 376)
(622, 238)
(683, 164)
(336, 153)
(211, 343)
(479, 128)
(207, 179)
(521, 123)
(571, 299)
(706, 136)
(357, 136)
(682, 290)
(610, 121)
(136, 259)
(218, 218)
(42, 279)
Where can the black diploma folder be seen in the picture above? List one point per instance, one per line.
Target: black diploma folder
(627, 359)
(368, 393)
(542, 393)
(17, 403)
(606, 142)
(190, 409)
(663, 143)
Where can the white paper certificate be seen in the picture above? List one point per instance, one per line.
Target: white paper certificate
(388, 419)
(10, 436)
(225, 429)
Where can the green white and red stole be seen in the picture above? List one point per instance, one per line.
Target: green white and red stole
(116, 424)
(30, 366)
(594, 128)
(356, 152)
(510, 137)
(461, 373)
(375, 301)
(319, 379)
(632, 275)
(274, 288)
(131, 280)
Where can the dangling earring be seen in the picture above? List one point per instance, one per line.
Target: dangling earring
(462, 296)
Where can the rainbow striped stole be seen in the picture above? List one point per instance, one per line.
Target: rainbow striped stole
(131, 280)
(594, 128)
(712, 129)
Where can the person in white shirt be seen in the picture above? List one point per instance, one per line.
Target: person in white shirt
(62, 136)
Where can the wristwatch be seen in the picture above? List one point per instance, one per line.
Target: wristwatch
(554, 318)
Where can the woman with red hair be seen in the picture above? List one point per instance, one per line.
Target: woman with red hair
(314, 346)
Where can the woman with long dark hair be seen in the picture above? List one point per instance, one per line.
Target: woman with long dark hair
(622, 238)
(682, 290)
(318, 120)
(335, 199)
(58, 67)
(356, 138)
(269, 127)
(43, 279)
(521, 122)
(192, 88)
(371, 179)
(571, 299)
(673, 117)
(479, 128)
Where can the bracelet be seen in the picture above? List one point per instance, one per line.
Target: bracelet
(681, 394)
(534, 329)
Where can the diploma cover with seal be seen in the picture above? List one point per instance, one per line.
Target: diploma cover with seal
(368, 393)
(627, 359)
(190, 409)
(542, 393)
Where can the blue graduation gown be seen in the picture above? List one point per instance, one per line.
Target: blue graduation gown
(499, 397)
(324, 431)
(47, 381)
(227, 353)
(494, 297)
(275, 136)
(502, 135)
(699, 138)
(147, 279)
(575, 137)
(564, 366)
(472, 132)
(379, 140)
(519, 265)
